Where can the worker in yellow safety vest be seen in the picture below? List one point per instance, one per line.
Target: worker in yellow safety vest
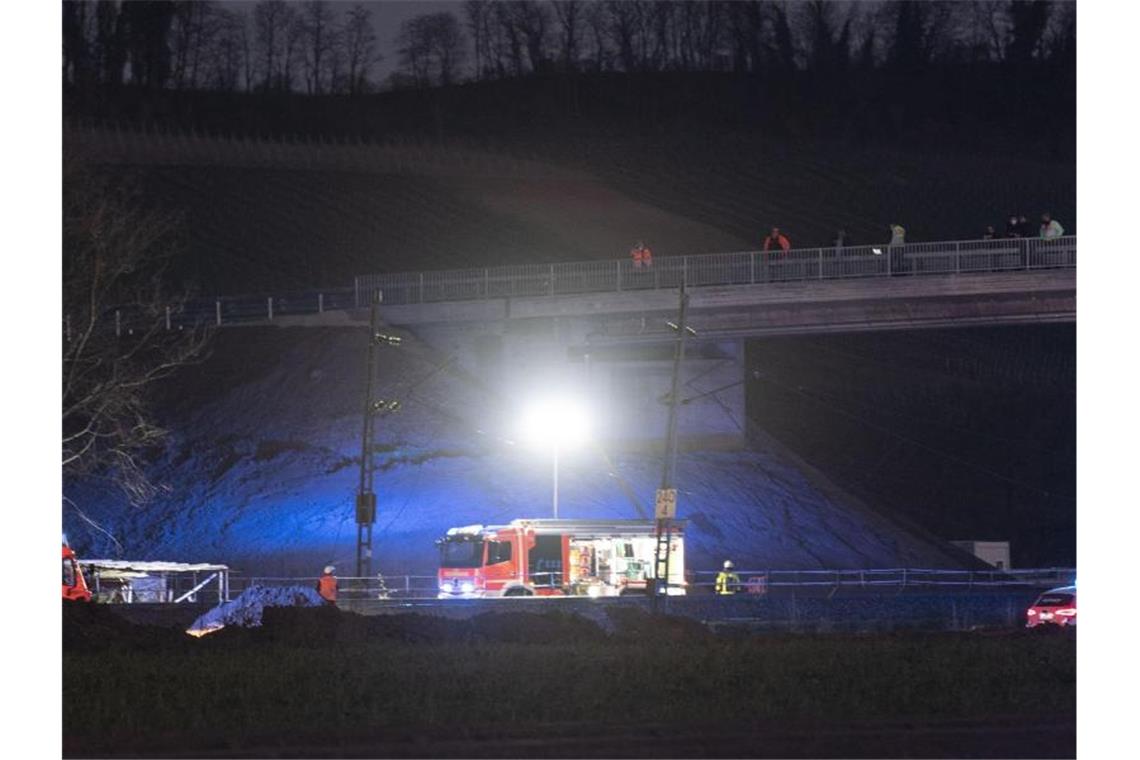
(727, 581)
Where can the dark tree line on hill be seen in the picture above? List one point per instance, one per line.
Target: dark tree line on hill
(274, 46)
(311, 47)
(864, 70)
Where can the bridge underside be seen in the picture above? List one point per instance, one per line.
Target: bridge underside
(852, 316)
(745, 311)
(616, 346)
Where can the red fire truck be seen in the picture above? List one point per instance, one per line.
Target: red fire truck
(556, 558)
(74, 586)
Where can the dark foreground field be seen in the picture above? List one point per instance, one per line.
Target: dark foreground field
(321, 683)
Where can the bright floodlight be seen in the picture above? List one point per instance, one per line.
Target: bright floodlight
(555, 422)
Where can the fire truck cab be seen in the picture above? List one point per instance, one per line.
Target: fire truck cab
(556, 558)
(74, 585)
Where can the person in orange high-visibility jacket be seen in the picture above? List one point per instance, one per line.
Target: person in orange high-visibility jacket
(776, 240)
(326, 585)
(641, 255)
(779, 239)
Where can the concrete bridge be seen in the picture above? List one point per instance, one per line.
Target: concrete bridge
(603, 327)
(521, 329)
(743, 311)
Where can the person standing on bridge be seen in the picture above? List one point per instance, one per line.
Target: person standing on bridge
(895, 247)
(1012, 228)
(775, 240)
(898, 235)
(326, 585)
(642, 256)
(1050, 227)
(727, 581)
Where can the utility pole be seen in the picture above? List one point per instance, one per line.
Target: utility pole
(373, 408)
(666, 503)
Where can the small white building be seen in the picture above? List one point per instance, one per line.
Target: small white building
(995, 553)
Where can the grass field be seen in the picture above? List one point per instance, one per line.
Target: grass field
(326, 680)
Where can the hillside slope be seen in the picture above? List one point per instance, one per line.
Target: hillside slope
(262, 215)
(263, 466)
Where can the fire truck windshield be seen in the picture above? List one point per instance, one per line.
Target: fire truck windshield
(461, 553)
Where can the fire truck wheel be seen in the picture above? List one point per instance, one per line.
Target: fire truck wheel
(518, 591)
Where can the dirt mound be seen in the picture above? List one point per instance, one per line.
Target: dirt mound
(300, 626)
(91, 627)
(94, 628)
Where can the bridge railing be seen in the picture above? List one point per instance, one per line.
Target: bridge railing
(711, 269)
(576, 278)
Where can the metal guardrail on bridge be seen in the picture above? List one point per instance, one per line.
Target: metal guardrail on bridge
(741, 268)
(615, 276)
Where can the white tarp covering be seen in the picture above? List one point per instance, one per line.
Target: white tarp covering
(245, 610)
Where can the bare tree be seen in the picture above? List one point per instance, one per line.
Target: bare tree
(76, 50)
(911, 46)
(745, 28)
(662, 22)
(784, 49)
(196, 24)
(277, 33)
(508, 43)
(570, 18)
(431, 48)
(703, 27)
(1061, 36)
(414, 49)
(114, 250)
(450, 46)
(110, 42)
(248, 53)
(596, 23)
(269, 25)
(983, 33)
(532, 20)
(827, 35)
(1028, 22)
(623, 19)
(292, 51)
(225, 54)
(478, 15)
(147, 26)
(319, 36)
(358, 48)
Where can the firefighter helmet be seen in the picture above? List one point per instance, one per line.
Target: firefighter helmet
(329, 569)
(728, 564)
